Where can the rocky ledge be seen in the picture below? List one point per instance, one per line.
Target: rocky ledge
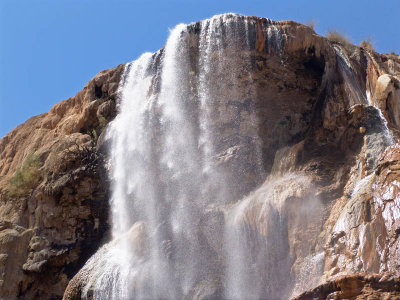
(357, 286)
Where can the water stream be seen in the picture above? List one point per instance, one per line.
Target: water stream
(163, 169)
(168, 166)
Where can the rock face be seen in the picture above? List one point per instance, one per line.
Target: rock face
(324, 208)
(356, 286)
(56, 215)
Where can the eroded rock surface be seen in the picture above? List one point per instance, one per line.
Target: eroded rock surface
(356, 286)
(50, 229)
(325, 208)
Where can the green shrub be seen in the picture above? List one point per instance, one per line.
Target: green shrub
(95, 132)
(26, 177)
(94, 136)
(335, 36)
(102, 122)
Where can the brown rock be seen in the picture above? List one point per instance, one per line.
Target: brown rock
(357, 286)
(50, 229)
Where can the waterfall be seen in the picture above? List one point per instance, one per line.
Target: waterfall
(185, 152)
(390, 140)
(351, 85)
(355, 94)
(167, 166)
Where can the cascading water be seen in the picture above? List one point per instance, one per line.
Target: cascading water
(355, 93)
(164, 168)
(184, 151)
(351, 85)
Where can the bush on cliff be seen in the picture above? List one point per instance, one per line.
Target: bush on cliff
(367, 44)
(26, 177)
(335, 36)
(311, 23)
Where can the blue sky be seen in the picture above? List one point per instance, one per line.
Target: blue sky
(50, 49)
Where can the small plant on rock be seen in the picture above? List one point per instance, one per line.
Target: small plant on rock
(84, 155)
(26, 177)
(311, 23)
(102, 122)
(335, 36)
(367, 44)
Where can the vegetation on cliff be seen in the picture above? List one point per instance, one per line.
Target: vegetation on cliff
(26, 177)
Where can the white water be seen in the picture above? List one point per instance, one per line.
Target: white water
(163, 170)
(388, 135)
(351, 85)
(355, 93)
(312, 265)
(164, 153)
(361, 185)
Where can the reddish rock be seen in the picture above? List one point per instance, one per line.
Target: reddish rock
(356, 286)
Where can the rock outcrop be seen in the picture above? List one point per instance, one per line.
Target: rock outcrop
(356, 286)
(54, 212)
(325, 209)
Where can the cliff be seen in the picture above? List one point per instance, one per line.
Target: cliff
(53, 196)
(306, 131)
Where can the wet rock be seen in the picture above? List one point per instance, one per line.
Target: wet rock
(363, 237)
(137, 238)
(206, 289)
(387, 97)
